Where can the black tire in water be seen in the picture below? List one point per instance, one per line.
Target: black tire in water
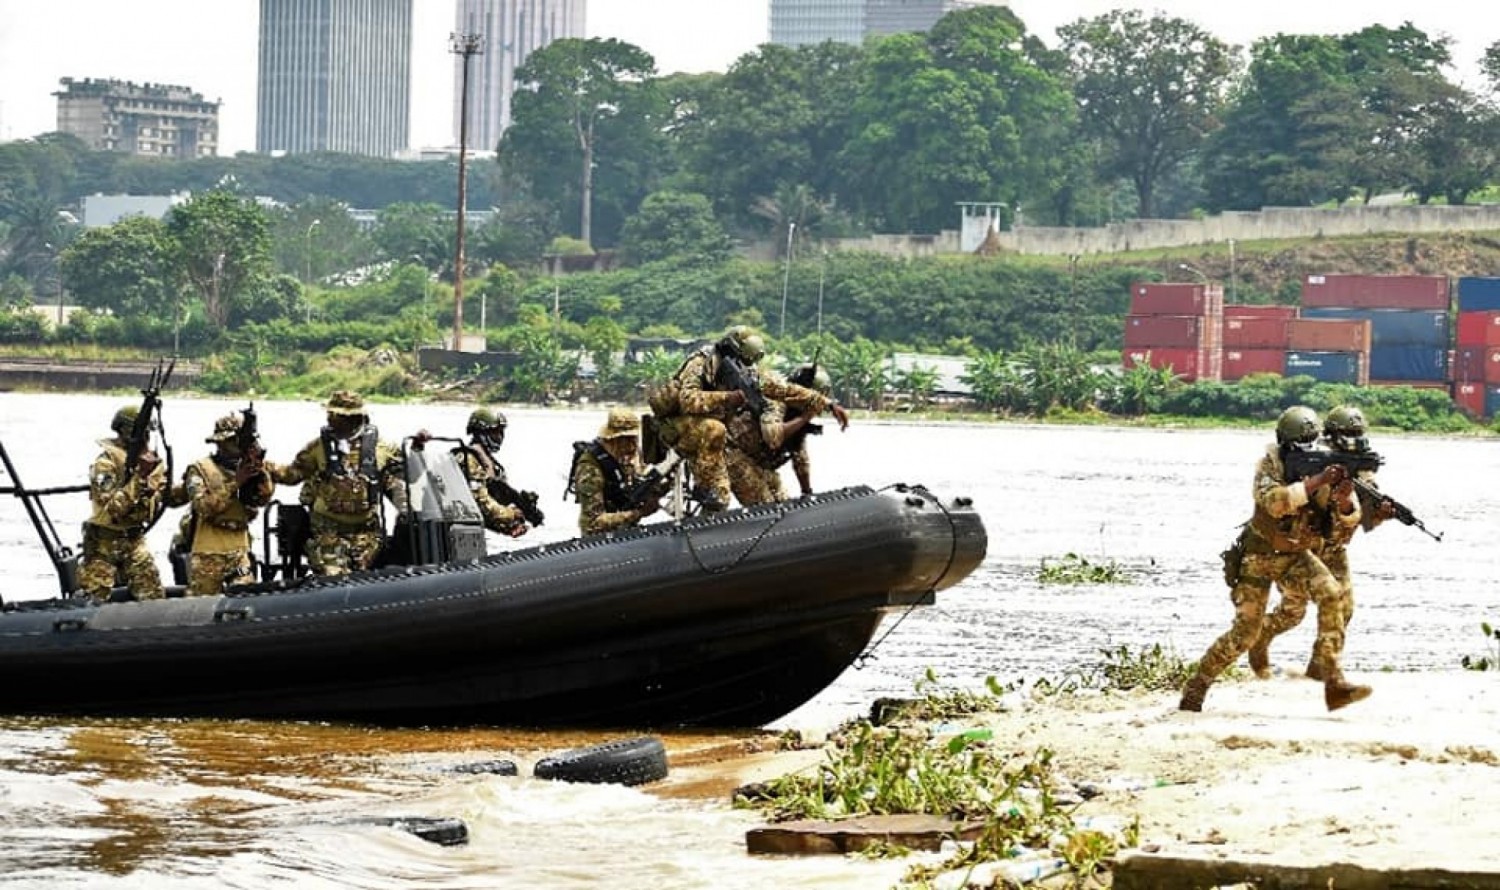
(487, 767)
(623, 762)
(441, 831)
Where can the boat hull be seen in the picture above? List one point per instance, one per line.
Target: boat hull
(730, 620)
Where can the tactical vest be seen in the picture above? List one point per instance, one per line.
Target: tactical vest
(1298, 531)
(228, 530)
(616, 498)
(345, 489)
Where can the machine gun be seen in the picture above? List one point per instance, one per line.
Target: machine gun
(253, 453)
(140, 432)
(655, 483)
(525, 501)
(734, 375)
(1304, 462)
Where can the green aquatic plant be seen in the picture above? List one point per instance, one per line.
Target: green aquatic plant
(1490, 662)
(1075, 569)
(1151, 668)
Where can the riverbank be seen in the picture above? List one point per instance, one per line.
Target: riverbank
(1265, 780)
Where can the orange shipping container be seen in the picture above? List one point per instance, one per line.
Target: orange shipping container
(1239, 363)
(1255, 332)
(1328, 335)
(1189, 364)
(1147, 298)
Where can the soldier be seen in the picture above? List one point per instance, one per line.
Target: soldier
(1343, 430)
(756, 451)
(343, 473)
(695, 404)
(126, 501)
(603, 473)
(1280, 543)
(486, 434)
(226, 489)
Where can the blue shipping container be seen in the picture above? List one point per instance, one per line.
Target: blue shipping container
(1492, 401)
(1478, 294)
(1394, 327)
(1324, 367)
(1425, 363)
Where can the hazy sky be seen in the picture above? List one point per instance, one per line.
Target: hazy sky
(210, 45)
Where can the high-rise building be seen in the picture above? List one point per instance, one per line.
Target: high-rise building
(511, 30)
(153, 119)
(797, 22)
(335, 75)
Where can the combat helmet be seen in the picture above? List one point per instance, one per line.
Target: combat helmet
(813, 377)
(482, 419)
(743, 343)
(1298, 425)
(124, 419)
(1345, 421)
(226, 429)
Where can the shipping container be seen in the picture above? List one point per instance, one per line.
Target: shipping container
(1469, 363)
(1469, 397)
(1148, 298)
(1376, 291)
(1185, 331)
(1189, 364)
(1409, 363)
(1491, 372)
(1479, 328)
(1254, 332)
(1246, 310)
(1492, 401)
(1328, 367)
(1240, 363)
(1328, 335)
(1394, 327)
(1478, 294)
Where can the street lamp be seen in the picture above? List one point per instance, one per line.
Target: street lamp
(466, 45)
(786, 276)
(1193, 271)
(1231, 270)
(307, 251)
(56, 273)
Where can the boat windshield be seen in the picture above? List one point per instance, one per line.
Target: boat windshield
(439, 489)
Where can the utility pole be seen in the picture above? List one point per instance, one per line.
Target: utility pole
(467, 46)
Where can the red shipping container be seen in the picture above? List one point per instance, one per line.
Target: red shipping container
(1255, 332)
(1479, 328)
(1185, 331)
(1468, 364)
(1376, 291)
(1176, 299)
(1185, 363)
(1242, 362)
(1470, 398)
(1245, 310)
(1492, 365)
(1328, 335)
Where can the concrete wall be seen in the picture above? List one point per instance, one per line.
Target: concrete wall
(1146, 234)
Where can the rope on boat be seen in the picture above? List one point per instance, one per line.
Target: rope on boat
(749, 548)
(869, 654)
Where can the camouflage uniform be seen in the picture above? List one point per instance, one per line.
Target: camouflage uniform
(693, 411)
(480, 467)
(601, 488)
(342, 490)
(114, 537)
(222, 514)
(752, 452)
(1282, 545)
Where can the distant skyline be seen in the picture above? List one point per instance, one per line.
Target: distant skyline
(210, 45)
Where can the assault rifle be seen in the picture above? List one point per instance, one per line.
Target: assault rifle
(654, 483)
(525, 501)
(1304, 462)
(140, 432)
(734, 374)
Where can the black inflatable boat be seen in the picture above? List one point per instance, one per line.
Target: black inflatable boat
(732, 619)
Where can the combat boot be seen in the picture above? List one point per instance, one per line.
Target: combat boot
(1192, 694)
(1340, 693)
(1260, 658)
(708, 499)
(1314, 670)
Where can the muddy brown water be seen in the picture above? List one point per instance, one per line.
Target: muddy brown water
(188, 804)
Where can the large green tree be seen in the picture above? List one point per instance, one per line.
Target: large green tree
(1149, 90)
(224, 248)
(129, 268)
(587, 110)
(675, 226)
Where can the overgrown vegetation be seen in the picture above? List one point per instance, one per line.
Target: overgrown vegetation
(1075, 569)
(1491, 660)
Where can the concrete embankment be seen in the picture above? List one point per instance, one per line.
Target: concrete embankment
(46, 375)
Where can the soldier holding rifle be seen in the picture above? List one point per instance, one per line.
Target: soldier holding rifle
(606, 476)
(226, 489)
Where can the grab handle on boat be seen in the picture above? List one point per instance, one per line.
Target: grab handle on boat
(233, 613)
